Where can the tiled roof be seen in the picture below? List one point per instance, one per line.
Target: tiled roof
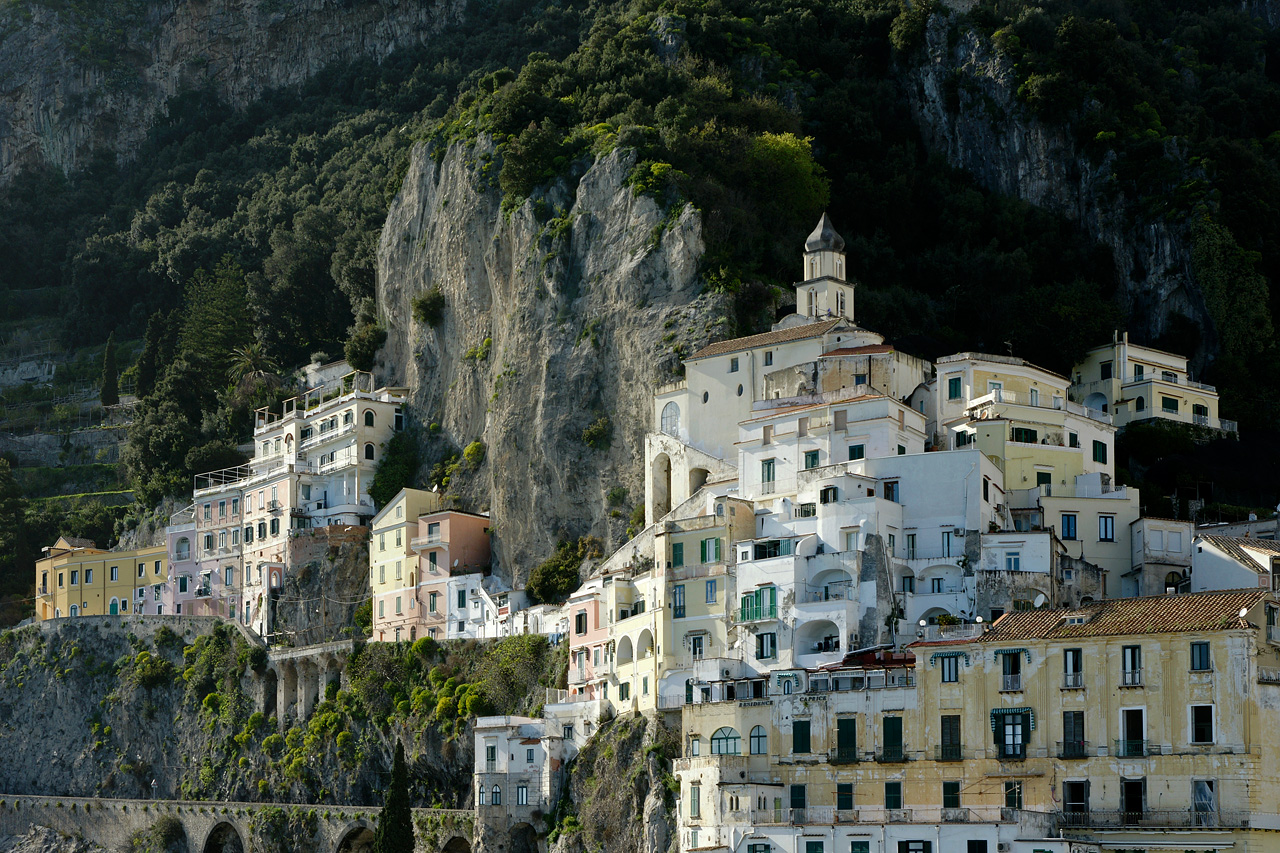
(777, 336)
(78, 542)
(870, 349)
(1234, 547)
(1156, 614)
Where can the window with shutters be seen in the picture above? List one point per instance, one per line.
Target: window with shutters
(810, 459)
(677, 554)
(951, 795)
(857, 451)
(711, 550)
(950, 749)
(846, 739)
(800, 737)
(844, 796)
(893, 795)
(891, 740)
(677, 601)
(1073, 745)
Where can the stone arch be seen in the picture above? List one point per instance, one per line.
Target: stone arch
(1096, 401)
(661, 486)
(457, 844)
(697, 479)
(355, 838)
(624, 650)
(644, 644)
(524, 839)
(270, 685)
(288, 689)
(224, 837)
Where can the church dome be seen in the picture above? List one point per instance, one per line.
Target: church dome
(824, 238)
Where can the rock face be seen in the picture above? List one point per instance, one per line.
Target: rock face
(981, 126)
(566, 310)
(69, 85)
(42, 839)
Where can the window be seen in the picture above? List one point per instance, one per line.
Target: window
(1011, 671)
(275, 527)
(229, 576)
(902, 450)
(1073, 668)
(799, 797)
(75, 577)
(911, 546)
(222, 509)
(733, 365)
(891, 738)
(766, 646)
(759, 741)
(844, 795)
(1204, 802)
(398, 610)
(951, 795)
(710, 550)
(891, 491)
(857, 451)
(1169, 404)
(155, 592)
(950, 669)
(496, 797)
(1200, 657)
(800, 737)
(810, 459)
(950, 749)
(1202, 724)
(1013, 795)
(1024, 435)
(1140, 404)
(1073, 745)
(908, 581)
(1013, 561)
(368, 451)
(431, 602)
(1131, 660)
(677, 605)
(1100, 452)
(462, 599)
(768, 358)
(382, 609)
(114, 574)
(182, 584)
(768, 469)
(813, 847)
(946, 543)
(986, 490)
(828, 495)
(1106, 528)
(726, 741)
(522, 791)
(711, 590)
(935, 585)
(1105, 369)
(893, 795)
(208, 546)
(1011, 734)
(1069, 526)
(954, 389)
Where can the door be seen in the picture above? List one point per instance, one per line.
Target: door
(798, 802)
(1204, 802)
(847, 738)
(1073, 734)
(1132, 800)
(892, 738)
(695, 647)
(115, 607)
(1134, 731)
(950, 738)
(1075, 803)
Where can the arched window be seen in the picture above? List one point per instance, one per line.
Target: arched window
(115, 606)
(368, 417)
(671, 419)
(726, 742)
(1172, 582)
(840, 302)
(1140, 404)
(75, 610)
(368, 452)
(484, 796)
(182, 551)
(759, 741)
(813, 303)
(786, 687)
(57, 613)
(497, 795)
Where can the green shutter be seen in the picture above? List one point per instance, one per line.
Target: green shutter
(800, 737)
(703, 549)
(847, 737)
(893, 735)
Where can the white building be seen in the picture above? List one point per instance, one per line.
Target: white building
(1234, 562)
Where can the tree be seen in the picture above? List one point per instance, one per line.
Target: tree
(395, 824)
(110, 375)
(396, 470)
(216, 321)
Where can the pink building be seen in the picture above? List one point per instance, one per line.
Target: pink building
(587, 612)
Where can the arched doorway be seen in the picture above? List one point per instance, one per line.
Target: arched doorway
(697, 479)
(457, 844)
(661, 486)
(355, 839)
(223, 838)
(523, 839)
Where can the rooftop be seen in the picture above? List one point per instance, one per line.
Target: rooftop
(824, 237)
(777, 336)
(870, 349)
(784, 410)
(1234, 547)
(1156, 614)
(996, 359)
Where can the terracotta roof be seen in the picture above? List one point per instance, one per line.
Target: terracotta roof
(777, 336)
(1156, 614)
(1234, 547)
(78, 542)
(870, 349)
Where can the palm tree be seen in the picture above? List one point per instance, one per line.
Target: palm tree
(251, 362)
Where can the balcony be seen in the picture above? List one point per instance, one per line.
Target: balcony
(1072, 749)
(821, 815)
(845, 755)
(1011, 751)
(891, 755)
(1154, 819)
(1131, 678)
(1011, 682)
(958, 815)
(577, 676)
(1073, 681)
(1135, 748)
(756, 614)
(949, 752)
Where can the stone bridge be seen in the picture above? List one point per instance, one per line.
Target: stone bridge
(295, 679)
(216, 827)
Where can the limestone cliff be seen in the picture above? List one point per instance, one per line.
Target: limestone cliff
(964, 97)
(77, 77)
(569, 309)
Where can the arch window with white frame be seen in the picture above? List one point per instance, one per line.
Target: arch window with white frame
(671, 419)
(368, 417)
(840, 302)
(726, 741)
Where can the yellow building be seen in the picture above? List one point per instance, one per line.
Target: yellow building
(1136, 383)
(393, 563)
(1127, 724)
(75, 578)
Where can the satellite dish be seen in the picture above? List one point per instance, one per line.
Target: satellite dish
(1040, 600)
(455, 564)
(1244, 611)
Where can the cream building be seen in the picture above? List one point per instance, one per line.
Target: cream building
(1136, 383)
(75, 578)
(393, 567)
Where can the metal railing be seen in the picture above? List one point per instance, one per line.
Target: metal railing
(1132, 748)
(949, 752)
(1131, 677)
(1011, 682)
(845, 755)
(1072, 680)
(1155, 819)
(891, 755)
(755, 614)
(1073, 749)
(1011, 751)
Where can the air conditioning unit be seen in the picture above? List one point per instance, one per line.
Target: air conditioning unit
(957, 531)
(724, 673)
(1002, 847)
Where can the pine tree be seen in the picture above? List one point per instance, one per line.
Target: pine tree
(395, 824)
(110, 376)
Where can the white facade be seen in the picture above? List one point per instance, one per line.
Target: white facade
(1232, 562)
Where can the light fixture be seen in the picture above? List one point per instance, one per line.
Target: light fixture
(922, 623)
(979, 620)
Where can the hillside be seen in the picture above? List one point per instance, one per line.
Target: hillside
(1009, 178)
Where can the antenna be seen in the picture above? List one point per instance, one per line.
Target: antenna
(1040, 600)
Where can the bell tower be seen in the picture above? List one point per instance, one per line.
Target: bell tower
(824, 292)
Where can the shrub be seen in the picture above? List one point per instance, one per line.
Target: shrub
(551, 581)
(428, 307)
(362, 348)
(272, 744)
(599, 435)
(474, 453)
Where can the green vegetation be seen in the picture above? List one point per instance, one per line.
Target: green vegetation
(397, 469)
(428, 307)
(395, 822)
(166, 835)
(599, 435)
(474, 453)
(552, 581)
(109, 388)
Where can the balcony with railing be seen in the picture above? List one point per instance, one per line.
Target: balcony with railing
(1046, 401)
(1011, 751)
(1011, 682)
(892, 755)
(948, 752)
(1073, 749)
(1129, 748)
(845, 755)
(1157, 819)
(761, 613)
(1131, 677)
(1073, 681)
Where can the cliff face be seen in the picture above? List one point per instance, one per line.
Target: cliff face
(964, 97)
(74, 80)
(565, 311)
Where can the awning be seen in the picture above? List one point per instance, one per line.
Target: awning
(999, 652)
(937, 655)
(1006, 712)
